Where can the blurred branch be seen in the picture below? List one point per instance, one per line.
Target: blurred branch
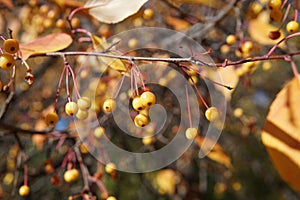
(200, 29)
(6, 104)
(15, 129)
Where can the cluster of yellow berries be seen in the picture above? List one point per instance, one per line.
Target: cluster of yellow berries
(142, 104)
(79, 109)
(10, 46)
(246, 68)
(244, 48)
(48, 16)
(276, 16)
(230, 40)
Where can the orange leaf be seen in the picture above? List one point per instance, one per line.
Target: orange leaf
(7, 3)
(217, 152)
(177, 24)
(49, 43)
(281, 133)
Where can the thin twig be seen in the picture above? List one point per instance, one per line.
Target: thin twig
(84, 171)
(191, 60)
(132, 58)
(188, 106)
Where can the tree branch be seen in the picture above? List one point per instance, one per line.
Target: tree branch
(191, 60)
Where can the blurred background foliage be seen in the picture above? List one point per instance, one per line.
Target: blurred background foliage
(251, 174)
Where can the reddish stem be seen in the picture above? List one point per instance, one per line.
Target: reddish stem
(285, 16)
(25, 174)
(296, 10)
(131, 82)
(82, 8)
(67, 84)
(188, 105)
(283, 4)
(295, 71)
(135, 82)
(200, 95)
(84, 171)
(139, 74)
(74, 81)
(120, 86)
(61, 141)
(194, 85)
(81, 30)
(100, 185)
(2, 38)
(58, 88)
(282, 40)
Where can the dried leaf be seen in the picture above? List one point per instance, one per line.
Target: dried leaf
(101, 45)
(7, 3)
(217, 153)
(281, 133)
(177, 24)
(259, 29)
(49, 43)
(113, 11)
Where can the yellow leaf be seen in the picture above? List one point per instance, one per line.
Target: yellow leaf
(48, 43)
(165, 181)
(281, 133)
(217, 153)
(229, 78)
(259, 29)
(101, 45)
